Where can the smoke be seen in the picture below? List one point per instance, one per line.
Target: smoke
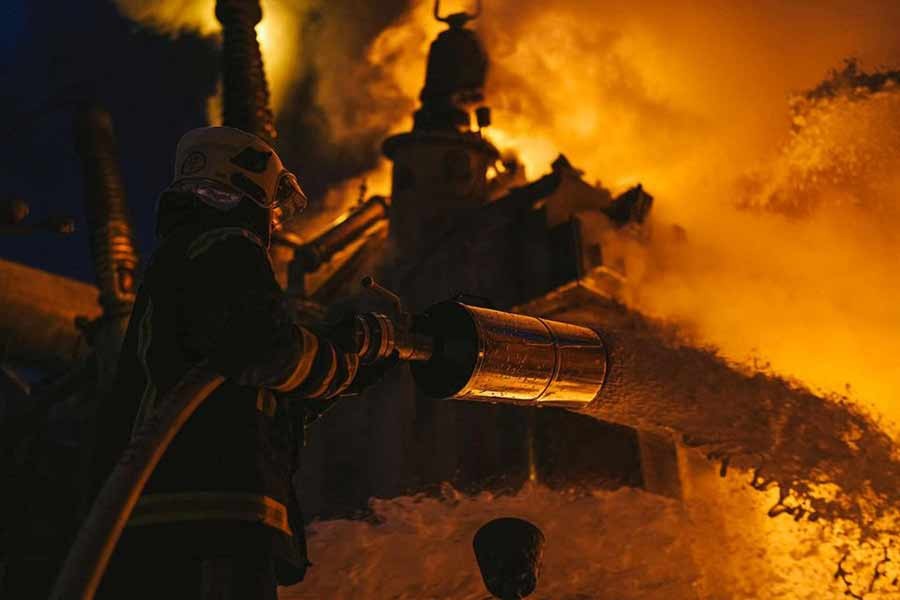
(332, 106)
(173, 16)
(647, 94)
(789, 206)
(695, 101)
(805, 282)
(341, 105)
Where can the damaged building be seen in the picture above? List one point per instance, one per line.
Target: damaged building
(455, 227)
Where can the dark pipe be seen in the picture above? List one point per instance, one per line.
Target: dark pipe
(320, 250)
(246, 93)
(115, 264)
(109, 224)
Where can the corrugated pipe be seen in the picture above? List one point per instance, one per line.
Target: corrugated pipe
(109, 223)
(246, 94)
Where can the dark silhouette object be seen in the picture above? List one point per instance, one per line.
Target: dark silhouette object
(13, 220)
(509, 552)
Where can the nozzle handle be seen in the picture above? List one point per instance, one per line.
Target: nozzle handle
(370, 284)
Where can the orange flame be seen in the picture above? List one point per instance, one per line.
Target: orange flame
(688, 102)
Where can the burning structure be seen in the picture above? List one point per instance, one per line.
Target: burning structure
(461, 221)
(526, 241)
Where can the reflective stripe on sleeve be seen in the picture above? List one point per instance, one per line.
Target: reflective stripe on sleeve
(147, 404)
(154, 509)
(309, 347)
(208, 239)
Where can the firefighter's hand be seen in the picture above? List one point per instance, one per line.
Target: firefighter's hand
(344, 334)
(369, 375)
(332, 372)
(346, 366)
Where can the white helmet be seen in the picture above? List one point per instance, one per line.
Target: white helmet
(223, 165)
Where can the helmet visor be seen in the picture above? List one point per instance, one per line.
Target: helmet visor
(289, 199)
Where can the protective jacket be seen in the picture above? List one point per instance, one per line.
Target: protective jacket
(209, 293)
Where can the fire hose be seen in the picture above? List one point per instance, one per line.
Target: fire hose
(89, 556)
(455, 351)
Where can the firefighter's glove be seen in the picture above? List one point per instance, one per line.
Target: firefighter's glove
(332, 372)
(369, 375)
(344, 334)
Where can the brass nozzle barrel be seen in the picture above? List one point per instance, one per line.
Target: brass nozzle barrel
(495, 356)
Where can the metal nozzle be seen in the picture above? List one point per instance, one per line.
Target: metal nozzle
(496, 356)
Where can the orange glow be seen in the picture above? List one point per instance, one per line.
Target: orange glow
(279, 43)
(693, 102)
(690, 103)
(694, 105)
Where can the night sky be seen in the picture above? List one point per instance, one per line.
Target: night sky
(154, 86)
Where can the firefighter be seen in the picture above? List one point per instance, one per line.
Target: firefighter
(219, 518)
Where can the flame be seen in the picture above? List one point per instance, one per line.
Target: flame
(693, 104)
(689, 103)
(278, 35)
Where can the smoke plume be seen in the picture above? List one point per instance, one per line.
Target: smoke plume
(703, 103)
